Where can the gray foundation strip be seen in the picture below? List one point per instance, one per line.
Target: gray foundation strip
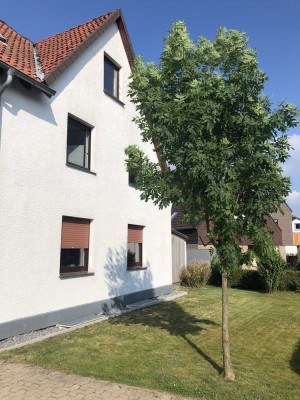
(78, 324)
(30, 324)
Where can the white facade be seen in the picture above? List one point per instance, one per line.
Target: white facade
(291, 250)
(296, 225)
(37, 188)
(294, 250)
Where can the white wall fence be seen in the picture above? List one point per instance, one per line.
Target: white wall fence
(178, 256)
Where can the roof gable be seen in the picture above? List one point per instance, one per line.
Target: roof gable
(55, 49)
(49, 57)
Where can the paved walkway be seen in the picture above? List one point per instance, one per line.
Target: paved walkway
(22, 382)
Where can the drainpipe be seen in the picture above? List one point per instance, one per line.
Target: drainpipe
(3, 87)
(174, 215)
(9, 78)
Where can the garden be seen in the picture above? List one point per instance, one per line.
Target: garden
(176, 347)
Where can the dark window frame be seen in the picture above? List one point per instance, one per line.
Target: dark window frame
(136, 264)
(132, 265)
(81, 268)
(87, 149)
(110, 61)
(297, 226)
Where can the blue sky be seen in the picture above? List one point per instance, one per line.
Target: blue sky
(272, 26)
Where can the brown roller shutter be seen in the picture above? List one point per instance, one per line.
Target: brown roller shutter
(135, 234)
(75, 233)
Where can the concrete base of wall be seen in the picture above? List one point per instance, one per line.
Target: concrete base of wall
(40, 321)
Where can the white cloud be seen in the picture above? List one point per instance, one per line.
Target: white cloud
(292, 166)
(293, 201)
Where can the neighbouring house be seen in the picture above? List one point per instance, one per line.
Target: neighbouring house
(293, 252)
(296, 231)
(283, 219)
(75, 237)
(198, 244)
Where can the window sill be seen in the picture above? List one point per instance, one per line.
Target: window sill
(136, 268)
(80, 169)
(114, 98)
(68, 275)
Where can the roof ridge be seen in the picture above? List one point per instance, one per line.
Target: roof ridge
(77, 26)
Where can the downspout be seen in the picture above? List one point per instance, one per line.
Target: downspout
(3, 87)
(9, 78)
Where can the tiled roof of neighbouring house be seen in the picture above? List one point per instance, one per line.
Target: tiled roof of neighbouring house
(44, 60)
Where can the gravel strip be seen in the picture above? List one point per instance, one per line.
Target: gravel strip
(25, 337)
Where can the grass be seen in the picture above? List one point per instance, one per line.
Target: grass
(176, 347)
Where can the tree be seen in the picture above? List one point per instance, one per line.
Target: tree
(217, 140)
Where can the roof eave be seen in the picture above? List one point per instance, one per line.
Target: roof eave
(125, 37)
(39, 85)
(179, 234)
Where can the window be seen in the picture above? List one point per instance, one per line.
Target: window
(131, 179)
(111, 78)
(135, 247)
(74, 255)
(78, 144)
(297, 227)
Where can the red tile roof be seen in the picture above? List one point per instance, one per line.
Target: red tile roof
(55, 49)
(18, 51)
(52, 55)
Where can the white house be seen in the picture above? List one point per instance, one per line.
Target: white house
(75, 237)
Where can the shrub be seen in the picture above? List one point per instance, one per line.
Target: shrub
(271, 267)
(290, 281)
(251, 280)
(196, 273)
(239, 278)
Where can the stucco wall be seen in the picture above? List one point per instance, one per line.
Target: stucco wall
(37, 189)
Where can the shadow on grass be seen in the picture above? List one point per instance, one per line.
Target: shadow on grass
(295, 360)
(172, 318)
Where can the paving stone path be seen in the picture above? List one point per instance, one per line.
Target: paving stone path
(22, 382)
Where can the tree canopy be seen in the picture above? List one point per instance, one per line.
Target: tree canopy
(204, 111)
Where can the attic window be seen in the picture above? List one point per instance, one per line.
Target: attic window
(2, 39)
(111, 77)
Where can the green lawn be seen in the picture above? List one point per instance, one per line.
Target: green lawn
(176, 347)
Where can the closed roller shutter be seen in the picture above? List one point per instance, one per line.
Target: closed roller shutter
(135, 234)
(75, 233)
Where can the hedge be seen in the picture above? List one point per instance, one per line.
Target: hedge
(252, 280)
(291, 280)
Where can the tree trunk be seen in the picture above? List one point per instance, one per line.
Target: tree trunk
(227, 365)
